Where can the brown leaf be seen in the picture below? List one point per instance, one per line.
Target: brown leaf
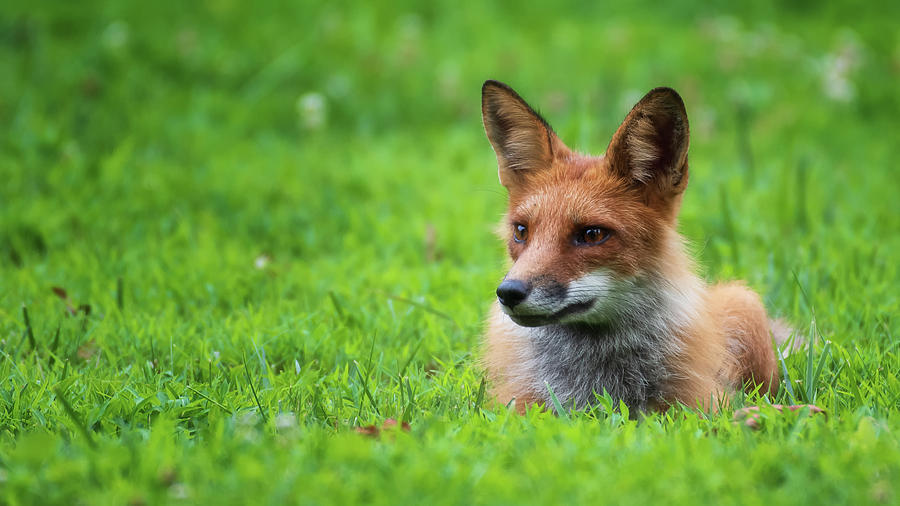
(368, 430)
(432, 368)
(390, 423)
(90, 86)
(88, 350)
(431, 252)
(62, 294)
(167, 476)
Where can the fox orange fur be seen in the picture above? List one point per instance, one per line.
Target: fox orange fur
(601, 295)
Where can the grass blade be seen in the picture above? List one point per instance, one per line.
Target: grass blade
(479, 397)
(557, 406)
(76, 419)
(784, 371)
(253, 389)
(120, 295)
(201, 394)
(423, 307)
(365, 385)
(810, 359)
(28, 330)
(826, 351)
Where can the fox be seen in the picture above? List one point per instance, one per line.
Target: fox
(601, 296)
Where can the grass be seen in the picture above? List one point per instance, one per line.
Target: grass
(267, 227)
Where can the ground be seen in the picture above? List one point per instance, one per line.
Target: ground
(233, 234)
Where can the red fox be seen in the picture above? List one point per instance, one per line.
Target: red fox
(601, 295)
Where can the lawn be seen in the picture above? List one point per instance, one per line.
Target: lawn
(233, 235)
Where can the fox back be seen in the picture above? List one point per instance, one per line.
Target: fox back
(600, 295)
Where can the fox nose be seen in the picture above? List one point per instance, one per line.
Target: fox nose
(511, 292)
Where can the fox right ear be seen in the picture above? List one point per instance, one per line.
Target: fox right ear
(650, 147)
(521, 138)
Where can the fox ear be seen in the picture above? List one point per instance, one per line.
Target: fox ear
(520, 137)
(650, 147)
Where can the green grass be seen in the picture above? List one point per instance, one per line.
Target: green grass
(261, 282)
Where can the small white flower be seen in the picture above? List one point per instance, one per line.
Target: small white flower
(311, 108)
(115, 36)
(839, 67)
(285, 421)
(178, 491)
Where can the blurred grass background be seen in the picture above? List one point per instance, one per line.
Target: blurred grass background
(301, 194)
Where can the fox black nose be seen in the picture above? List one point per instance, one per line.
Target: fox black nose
(511, 292)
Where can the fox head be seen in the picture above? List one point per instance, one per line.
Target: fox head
(591, 238)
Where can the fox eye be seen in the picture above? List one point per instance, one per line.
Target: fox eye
(593, 236)
(520, 232)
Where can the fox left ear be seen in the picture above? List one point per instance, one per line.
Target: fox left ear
(521, 138)
(650, 147)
